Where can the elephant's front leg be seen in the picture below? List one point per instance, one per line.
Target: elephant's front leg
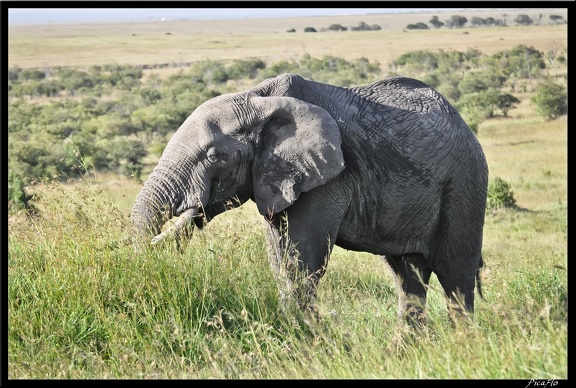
(282, 263)
(296, 279)
(299, 245)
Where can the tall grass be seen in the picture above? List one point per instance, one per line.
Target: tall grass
(84, 303)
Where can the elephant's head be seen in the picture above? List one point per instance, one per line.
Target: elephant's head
(237, 147)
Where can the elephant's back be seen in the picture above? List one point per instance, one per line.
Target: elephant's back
(405, 93)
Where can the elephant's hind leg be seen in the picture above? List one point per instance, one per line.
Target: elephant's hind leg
(460, 293)
(412, 275)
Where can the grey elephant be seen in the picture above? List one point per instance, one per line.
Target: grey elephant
(389, 168)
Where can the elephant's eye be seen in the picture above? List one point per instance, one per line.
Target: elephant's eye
(214, 156)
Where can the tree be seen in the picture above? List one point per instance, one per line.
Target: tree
(435, 22)
(477, 21)
(310, 29)
(552, 53)
(521, 61)
(506, 102)
(523, 20)
(458, 21)
(478, 81)
(417, 26)
(557, 19)
(127, 152)
(337, 27)
(33, 74)
(247, 68)
(550, 99)
(490, 21)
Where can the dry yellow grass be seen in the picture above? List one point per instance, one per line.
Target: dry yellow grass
(188, 41)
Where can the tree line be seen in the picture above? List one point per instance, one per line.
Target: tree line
(458, 21)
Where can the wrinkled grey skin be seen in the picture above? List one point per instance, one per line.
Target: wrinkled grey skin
(389, 168)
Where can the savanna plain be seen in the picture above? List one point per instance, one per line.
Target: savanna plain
(83, 303)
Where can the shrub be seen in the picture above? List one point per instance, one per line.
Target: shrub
(310, 29)
(500, 194)
(550, 99)
(245, 68)
(417, 26)
(18, 199)
(337, 27)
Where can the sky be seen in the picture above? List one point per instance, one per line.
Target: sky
(22, 16)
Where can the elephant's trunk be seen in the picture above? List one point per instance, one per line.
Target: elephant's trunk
(159, 200)
(148, 214)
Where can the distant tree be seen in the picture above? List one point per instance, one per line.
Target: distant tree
(557, 19)
(291, 30)
(362, 26)
(210, 72)
(283, 66)
(421, 60)
(479, 81)
(337, 27)
(33, 74)
(14, 73)
(490, 21)
(523, 20)
(375, 27)
(477, 21)
(310, 29)
(435, 22)
(506, 102)
(417, 26)
(521, 61)
(458, 21)
(245, 68)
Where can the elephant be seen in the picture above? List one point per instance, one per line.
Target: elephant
(389, 168)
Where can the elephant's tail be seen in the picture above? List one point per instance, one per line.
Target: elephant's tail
(479, 277)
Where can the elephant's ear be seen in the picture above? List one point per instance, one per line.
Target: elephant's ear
(298, 149)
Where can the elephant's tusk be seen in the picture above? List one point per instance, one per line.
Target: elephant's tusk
(184, 220)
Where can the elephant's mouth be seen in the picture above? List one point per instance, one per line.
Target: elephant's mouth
(188, 219)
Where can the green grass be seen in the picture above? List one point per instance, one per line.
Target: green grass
(83, 303)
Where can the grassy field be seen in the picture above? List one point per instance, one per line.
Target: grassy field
(82, 303)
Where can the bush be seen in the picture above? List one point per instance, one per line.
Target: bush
(17, 197)
(245, 68)
(500, 194)
(310, 29)
(417, 26)
(337, 27)
(550, 99)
